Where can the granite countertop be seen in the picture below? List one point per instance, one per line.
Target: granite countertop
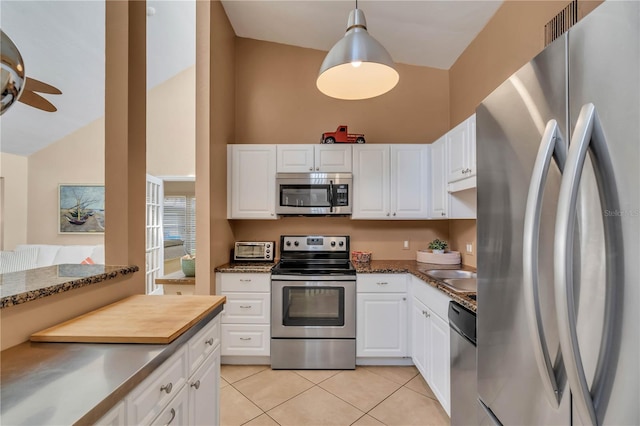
(77, 383)
(246, 267)
(419, 270)
(378, 267)
(24, 286)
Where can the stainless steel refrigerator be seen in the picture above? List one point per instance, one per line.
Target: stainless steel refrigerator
(559, 229)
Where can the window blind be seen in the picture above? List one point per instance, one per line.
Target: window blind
(179, 220)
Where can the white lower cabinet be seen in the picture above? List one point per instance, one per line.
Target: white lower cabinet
(430, 339)
(184, 390)
(246, 319)
(381, 315)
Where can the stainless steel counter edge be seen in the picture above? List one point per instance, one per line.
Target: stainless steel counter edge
(50, 380)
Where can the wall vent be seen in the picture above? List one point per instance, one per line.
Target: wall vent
(561, 22)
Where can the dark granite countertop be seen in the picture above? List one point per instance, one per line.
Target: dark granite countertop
(419, 270)
(246, 267)
(377, 267)
(24, 286)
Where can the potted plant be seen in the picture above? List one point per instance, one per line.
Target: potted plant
(438, 246)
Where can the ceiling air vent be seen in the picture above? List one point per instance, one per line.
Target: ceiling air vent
(561, 22)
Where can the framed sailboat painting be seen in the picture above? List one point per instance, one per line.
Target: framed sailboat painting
(81, 208)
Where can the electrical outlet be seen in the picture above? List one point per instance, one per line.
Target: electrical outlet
(469, 248)
(405, 246)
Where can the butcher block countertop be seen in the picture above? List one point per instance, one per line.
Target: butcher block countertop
(77, 383)
(136, 319)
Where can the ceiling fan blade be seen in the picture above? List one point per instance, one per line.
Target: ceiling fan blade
(36, 101)
(34, 85)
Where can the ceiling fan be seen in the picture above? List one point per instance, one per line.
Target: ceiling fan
(16, 86)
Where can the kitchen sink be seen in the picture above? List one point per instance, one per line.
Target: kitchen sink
(461, 285)
(451, 274)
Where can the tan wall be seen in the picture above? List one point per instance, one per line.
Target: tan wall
(461, 232)
(382, 237)
(277, 100)
(75, 159)
(215, 117)
(14, 170)
(171, 130)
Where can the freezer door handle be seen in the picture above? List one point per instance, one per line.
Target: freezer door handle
(551, 146)
(588, 136)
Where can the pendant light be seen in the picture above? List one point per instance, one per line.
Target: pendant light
(357, 67)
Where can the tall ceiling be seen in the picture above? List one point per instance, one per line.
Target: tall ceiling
(62, 44)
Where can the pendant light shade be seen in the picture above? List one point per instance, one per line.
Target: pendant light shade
(357, 67)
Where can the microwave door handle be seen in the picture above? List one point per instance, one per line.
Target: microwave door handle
(331, 196)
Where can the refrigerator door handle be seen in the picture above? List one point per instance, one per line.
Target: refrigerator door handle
(588, 136)
(551, 145)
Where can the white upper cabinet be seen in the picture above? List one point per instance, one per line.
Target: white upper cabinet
(439, 193)
(371, 174)
(314, 158)
(391, 181)
(461, 147)
(251, 181)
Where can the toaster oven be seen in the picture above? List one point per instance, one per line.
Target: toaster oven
(254, 251)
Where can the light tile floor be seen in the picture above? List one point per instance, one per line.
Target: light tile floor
(255, 395)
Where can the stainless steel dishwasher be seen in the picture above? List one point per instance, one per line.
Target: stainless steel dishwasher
(464, 387)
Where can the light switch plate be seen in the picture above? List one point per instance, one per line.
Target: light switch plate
(469, 248)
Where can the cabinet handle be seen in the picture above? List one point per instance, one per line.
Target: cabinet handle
(245, 280)
(382, 283)
(209, 341)
(173, 416)
(443, 214)
(245, 306)
(196, 385)
(317, 168)
(167, 388)
(394, 214)
(245, 338)
(387, 214)
(310, 169)
(404, 298)
(427, 314)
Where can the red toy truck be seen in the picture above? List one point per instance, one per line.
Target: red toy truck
(341, 136)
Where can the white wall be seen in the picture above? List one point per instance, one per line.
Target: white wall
(13, 212)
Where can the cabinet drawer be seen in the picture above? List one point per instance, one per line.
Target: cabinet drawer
(246, 339)
(203, 343)
(151, 396)
(177, 412)
(433, 298)
(382, 283)
(247, 308)
(245, 282)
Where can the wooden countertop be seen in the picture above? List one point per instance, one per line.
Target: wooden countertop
(176, 278)
(135, 319)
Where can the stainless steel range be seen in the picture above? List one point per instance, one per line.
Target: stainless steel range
(313, 304)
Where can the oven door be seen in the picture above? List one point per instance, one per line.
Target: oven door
(313, 309)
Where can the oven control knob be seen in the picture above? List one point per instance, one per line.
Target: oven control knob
(268, 251)
(341, 243)
(296, 243)
(333, 243)
(288, 243)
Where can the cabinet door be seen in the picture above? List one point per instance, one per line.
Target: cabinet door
(381, 325)
(252, 184)
(419, 336)
(247, 308)
(114, 417)
(410, 191)
(333, 158)
(439, 193)
(471, 146)
(371, 174)
(438, 362)
(457, 152)
(204, 395)
(295, 158)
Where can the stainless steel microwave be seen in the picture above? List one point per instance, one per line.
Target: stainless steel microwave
(308, 194)
(254, 251)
